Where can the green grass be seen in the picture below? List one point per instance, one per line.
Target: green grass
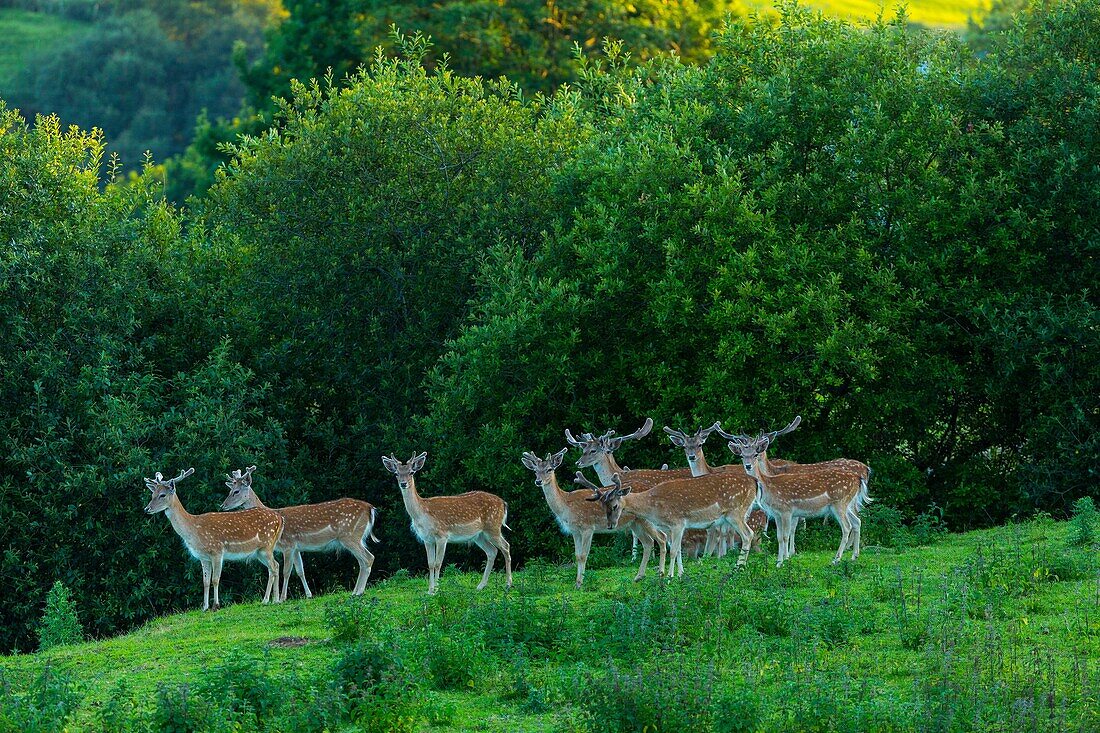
(25, 34)
(986, 622)
(934, 13)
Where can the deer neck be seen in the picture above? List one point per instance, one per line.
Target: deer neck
(181, 520)
(555, 497)
(699, 467)
(413, 505)
(253, 501)
(606, 468)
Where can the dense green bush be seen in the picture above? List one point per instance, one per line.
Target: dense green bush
(103, 381)
(60, 621)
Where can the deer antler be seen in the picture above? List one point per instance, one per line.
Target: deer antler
(580, 479)
(705, 432)
(677, 433)
(640, 432)
(729, 436)
(573, 441)
(775, 434)
(182, 476)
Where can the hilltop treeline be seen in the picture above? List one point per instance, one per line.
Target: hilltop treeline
(864, 226)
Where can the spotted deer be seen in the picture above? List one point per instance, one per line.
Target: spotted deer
(328, 525)
(476, 516)
(582, 519)
(680, 504)
(786, 496)
(777, 467)
(214, 538)
(599, 453)
(718, 540)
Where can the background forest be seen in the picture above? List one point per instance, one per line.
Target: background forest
(889, 230)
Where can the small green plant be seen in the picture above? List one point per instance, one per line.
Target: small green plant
(1085, 518)
(60, 623)
(350, 617)
(44, 708)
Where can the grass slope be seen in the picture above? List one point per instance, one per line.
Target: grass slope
(979, 625)
(25, 34)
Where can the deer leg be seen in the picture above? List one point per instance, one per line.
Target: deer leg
(579, 554)
(676, 540)
(268, 558)
(857, 524)
(366, 561)
(490, 551)
(498, 541)
(205, 584)
(216, 573)
(288, 571)
(429, 548)
(744, 531)
(790, 537)
(846, 531)
(645, 535)
(712, 540)
(506, 549)
(300, 568)
(440, 552)
(782, 529)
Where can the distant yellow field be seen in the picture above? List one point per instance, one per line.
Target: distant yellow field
(939, 13)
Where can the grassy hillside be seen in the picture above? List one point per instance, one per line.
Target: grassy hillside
(26, 34)
(991, 630)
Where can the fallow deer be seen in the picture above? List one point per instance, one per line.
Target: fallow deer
(777, 467)
(476, 516)
(580, 518)
(718, 539)
(328, 525)
(213, 538)
(811, 494)
(680, 504)
(599, 453)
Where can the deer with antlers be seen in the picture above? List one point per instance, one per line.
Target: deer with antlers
(582, 519)
(777, 467)
(213, 538)
(835, 490)
(476, 516)
(680, 504)
(717, 539)
(328, 525)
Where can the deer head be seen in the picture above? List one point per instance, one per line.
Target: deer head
(750, 450)
(543, 469)
(692, 444)
(404, 471)
(240, 489)
(163, 491)
(611, 498)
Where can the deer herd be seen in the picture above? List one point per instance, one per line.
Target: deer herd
(699, 510)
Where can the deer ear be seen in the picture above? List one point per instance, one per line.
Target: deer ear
(557, 458)
(390, 464)
(596, 496)
(528, 461)
(417, 462)
(676, 440)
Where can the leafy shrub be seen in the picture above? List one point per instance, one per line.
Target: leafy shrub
(60, 623)
(1085, 520)
(244, 689)
(44, 708)
(739, 710)
(671, 694)
(179, 710)
(352, 617)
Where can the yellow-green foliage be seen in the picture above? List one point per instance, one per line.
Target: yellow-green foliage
(998, 629)
(936, 13)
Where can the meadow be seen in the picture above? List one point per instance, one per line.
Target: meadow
(992, 630)
(27, 34)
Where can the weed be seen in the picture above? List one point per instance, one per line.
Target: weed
(1085, 518)
(44, 708)
(60, 623)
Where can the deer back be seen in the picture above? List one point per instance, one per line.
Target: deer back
(234, 532)
(339, 517)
